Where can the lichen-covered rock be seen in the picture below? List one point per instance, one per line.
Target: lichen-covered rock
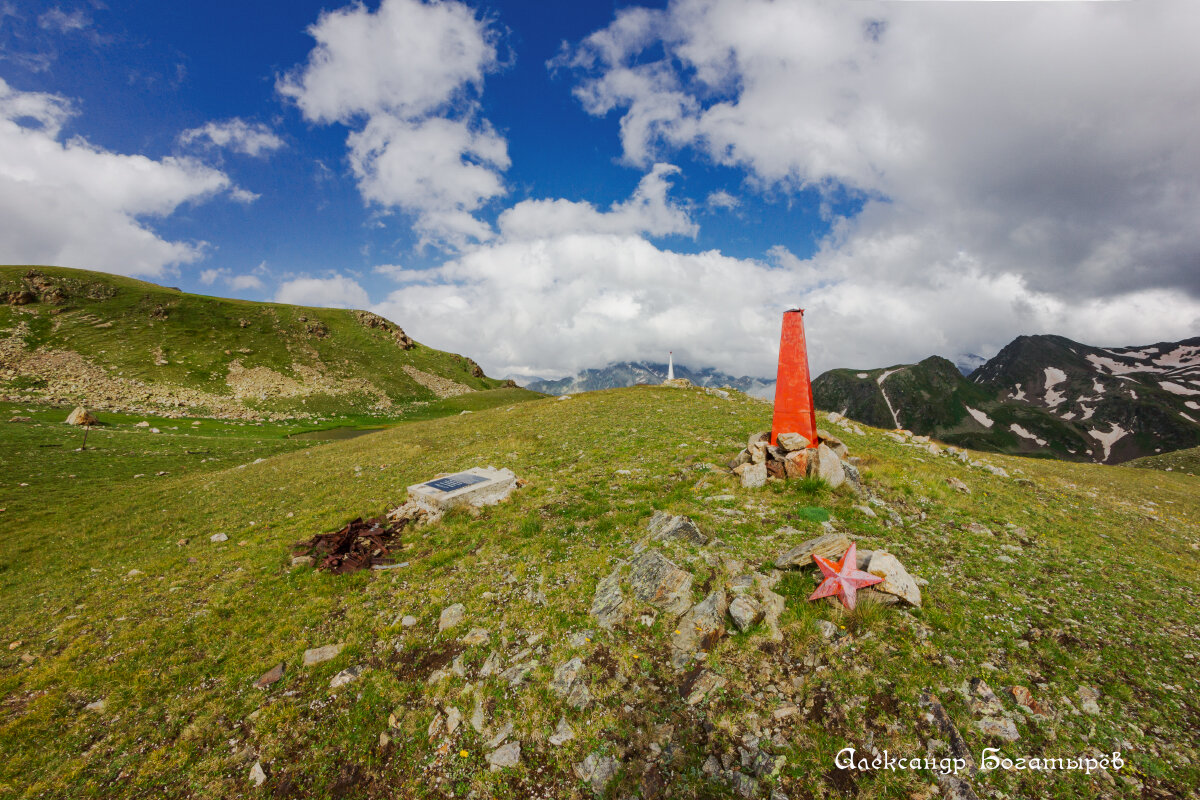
(746, 612)
(830, 545)
(610, 607)
(699, 629)
(657, 581)
(569, 684)
(752, 475)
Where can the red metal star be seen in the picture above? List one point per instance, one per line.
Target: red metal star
(843, 578)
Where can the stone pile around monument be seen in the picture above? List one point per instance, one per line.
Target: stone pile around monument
(794, 457)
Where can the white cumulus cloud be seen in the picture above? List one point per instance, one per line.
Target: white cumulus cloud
(337, 291)
(251, 138)
(405, 78)
(70, 203)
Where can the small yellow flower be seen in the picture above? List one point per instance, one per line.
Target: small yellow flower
(463, 753)
(635, 655)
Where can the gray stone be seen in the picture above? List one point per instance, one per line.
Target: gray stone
(348, 675)
(665, 526)
(562, 734)
(955, 788)
(947, 732)
(499, 736)
(98, 705)
(745, 612)
(773, 606)
(506, 756)
(699, 629)
(826, 628)
(982, 700)
(408, 620)
(476, 636)
(761, 436)
(752, 476)
(568, 683)
(490, 666)
(453, 719)
(957, 485)
(515, 675)
(451, 616)
(477, 717)
(657, 581)
(743, 785)
(318, 654)
(830, 545)
(269, 677)
(792, 441)
(302, 561)
(257, 775)
(896, 580)
(597, 770)
(704, 683)
(998, 727)
(827, 466)
(610, 607)
(741, 458)
(1089, 698)
(219, 537)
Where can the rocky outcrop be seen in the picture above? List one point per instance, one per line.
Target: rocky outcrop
(376, 322)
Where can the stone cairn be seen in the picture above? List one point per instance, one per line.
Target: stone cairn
(794, 457)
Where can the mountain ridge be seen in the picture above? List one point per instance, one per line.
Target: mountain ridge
(621, 374)
(1042, 395)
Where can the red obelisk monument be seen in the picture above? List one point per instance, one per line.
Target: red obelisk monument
(794, 411)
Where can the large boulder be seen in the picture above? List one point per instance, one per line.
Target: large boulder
(896, 580)
(81, 416)
(826, 465)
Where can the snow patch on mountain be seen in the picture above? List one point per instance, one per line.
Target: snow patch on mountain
(1019, 431)
(980, 417)
(882, 391)
(1175, 388)
(1109, 438)
(1182, 356)
(1054, 376)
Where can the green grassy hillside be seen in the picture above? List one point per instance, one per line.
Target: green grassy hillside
(109, 342)
(1062, 578)
(1186, 461)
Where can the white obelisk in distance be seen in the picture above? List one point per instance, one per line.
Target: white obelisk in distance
(670, 365)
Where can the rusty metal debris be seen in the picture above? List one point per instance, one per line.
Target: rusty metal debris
(359, 545)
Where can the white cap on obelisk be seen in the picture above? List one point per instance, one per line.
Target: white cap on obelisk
(670, 365)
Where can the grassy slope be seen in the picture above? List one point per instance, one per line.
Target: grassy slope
(203, 336)
(1104, 598)
(1187, 461)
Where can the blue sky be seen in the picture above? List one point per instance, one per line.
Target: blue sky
(552, 186)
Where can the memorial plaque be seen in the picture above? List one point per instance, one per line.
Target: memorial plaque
(452, 482)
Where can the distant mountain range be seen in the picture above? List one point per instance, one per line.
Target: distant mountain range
(1040, 395)
(633, 373)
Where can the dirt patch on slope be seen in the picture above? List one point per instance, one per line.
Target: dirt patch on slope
(442, 387)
